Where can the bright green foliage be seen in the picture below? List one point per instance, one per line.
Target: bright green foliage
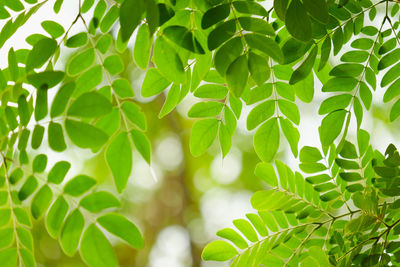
(231, 56)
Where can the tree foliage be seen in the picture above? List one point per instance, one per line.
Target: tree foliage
(339, 209)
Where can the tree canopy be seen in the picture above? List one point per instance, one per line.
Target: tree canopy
(109, 84)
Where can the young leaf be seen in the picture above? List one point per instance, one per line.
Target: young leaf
(130, 15)
(237, 75)
(56, 215)
(297, 21)
(119, 159)
(56, 137)
(71, 232)
(120, 226)
(331, 126)
(218, 251)
(98, 201)
(85, 135)
(215, 15)
(142, 144)
(203, 135)
(40, 53)
(266, 140)
(79, 185)
(96, 250)
(305, 68)
(90, 105)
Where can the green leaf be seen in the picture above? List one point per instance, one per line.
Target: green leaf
(340, 84)
(90, 105)
(213, 91)
(168, 61)
(265, 45)
(134, 114)
(331, 126)
(171, 101)
(61, 99)
(95, 248)
(9, 257)
(348, 150)
(203, 135)
(6, 237)
(113, 64)
(109, 19)
(46, 79)
(81, 62)
(89, 80)
(227, 54)
(119, 159)
(251, 8)
(122, 87)
(120, 226)
(334, 103)
(40, 53)
(37, 136)
(55, 217)
(152, 15)
(215, 15)
(79, 185)
(205, 109)
(56, 137)
(58, 172)
(280, 7)
(142, 48)
(260, 113)
(142, 144)
(218, 251)
(256, 25)
(389, 59)
(23, 110)
(5, 216)
(317, 9)
(13, 65)
(41, 201)
(265, 171)
(53, 28)
(71, 232)
(291, 133)
(225, 139)
(266, 140)
(246, 229)
(104, 43)
(347, 70)
(395, 111)
(77, 40)
(297, 21)
(130, 15)
(98, 201)
(221, 34)
(184, 38)
(259, 68)
(305, 89)
(233, 236)
(39, 163)
(22, 216)
(153, 83)
(85, 135)
(237, 75)
(355, 56)
(390, 75)
(28, 188)
(305, 68)
(325, 52)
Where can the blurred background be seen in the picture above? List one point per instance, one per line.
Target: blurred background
(178, 202)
